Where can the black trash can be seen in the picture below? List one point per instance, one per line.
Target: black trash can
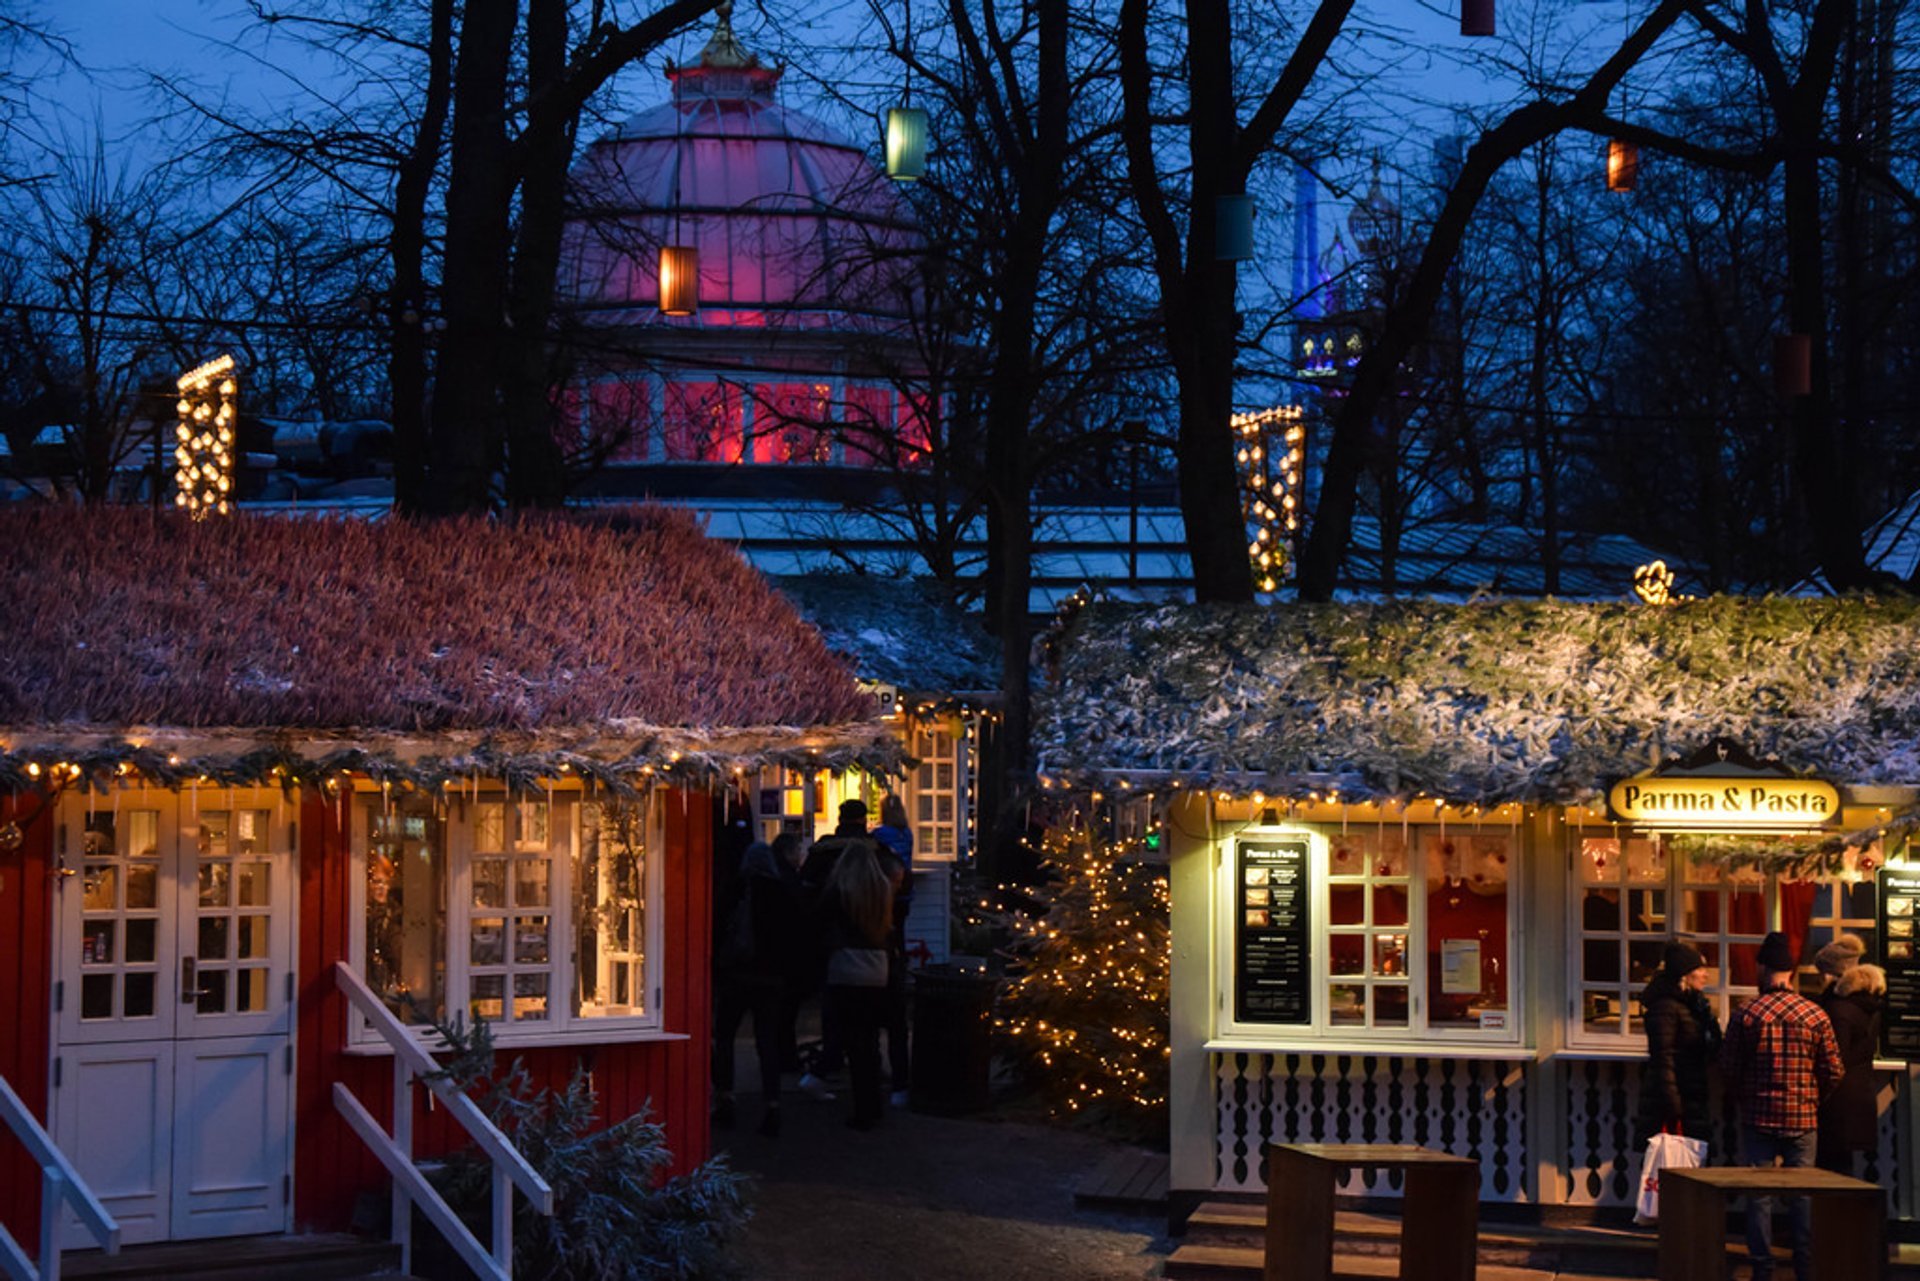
(952, 1043)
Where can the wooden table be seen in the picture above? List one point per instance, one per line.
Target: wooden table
(1849, 1220)
(1439, 1215)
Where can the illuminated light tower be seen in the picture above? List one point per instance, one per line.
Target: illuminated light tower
(204, 436)
(1270, 452)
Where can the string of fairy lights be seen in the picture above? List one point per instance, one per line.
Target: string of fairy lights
(203, 479)
(1270, 449)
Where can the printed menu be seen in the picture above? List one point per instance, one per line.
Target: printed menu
(1899, 893)
(1271, 976)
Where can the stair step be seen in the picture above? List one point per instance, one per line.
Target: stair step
(285, 1258)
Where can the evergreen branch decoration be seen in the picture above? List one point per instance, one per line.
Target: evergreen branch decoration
(1483, 703)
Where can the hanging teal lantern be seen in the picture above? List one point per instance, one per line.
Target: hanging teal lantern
(906, 143)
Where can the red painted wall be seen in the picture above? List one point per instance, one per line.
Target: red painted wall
(26, 922)
(332, 1168)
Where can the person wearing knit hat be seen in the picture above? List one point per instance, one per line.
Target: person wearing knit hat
(1781, 1060)
(1683, 1038)
(1837, 957)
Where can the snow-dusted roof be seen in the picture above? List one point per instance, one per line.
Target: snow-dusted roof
(1483, 702)
(908, 633)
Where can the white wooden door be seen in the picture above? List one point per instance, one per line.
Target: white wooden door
(174, 1009)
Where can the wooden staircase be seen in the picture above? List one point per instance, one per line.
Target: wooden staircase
(1224, 1242)
(284, 1258)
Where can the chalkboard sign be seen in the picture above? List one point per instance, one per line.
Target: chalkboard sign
(1271, 976)
(1899, 911)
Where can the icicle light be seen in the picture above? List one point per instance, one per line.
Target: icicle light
(203, 435)
(1271, 450)
(906, 143)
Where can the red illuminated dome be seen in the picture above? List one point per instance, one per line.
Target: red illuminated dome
(794, 224)
(799, 351)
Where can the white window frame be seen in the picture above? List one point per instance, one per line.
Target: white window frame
(925, 735)
(565, 843)
(1724, 995)
(1321, 1033)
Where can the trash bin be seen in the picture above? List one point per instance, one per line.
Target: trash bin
(952, 1047)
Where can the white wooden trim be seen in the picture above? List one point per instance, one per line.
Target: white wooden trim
(418, 1190)
(464, 1109)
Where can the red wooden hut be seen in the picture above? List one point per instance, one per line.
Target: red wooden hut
(474, 761)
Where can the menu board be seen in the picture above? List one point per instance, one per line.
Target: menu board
(1899, 911)
(1271, 977)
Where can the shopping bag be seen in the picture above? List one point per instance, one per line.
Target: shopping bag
(1664, 1152)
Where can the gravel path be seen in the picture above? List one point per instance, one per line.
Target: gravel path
(925, 1198)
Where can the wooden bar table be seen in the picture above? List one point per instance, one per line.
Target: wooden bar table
(1849, 1220)
(1439, 1214)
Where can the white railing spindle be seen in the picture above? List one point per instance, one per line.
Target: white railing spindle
(60, 1186)
(395, 1151)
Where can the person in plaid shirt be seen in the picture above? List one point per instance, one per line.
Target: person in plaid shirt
(1781, 1059)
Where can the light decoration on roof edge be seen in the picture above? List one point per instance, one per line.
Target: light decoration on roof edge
(204, 436)
(1270, 453)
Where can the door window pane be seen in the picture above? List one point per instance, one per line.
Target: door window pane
(138, 993)
(1467, 923)
(406, 909)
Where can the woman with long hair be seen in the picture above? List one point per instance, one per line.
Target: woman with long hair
(858, 916)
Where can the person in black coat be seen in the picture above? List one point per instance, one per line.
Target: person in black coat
(763, 940)
(1683, 1040)
(1850, 1116)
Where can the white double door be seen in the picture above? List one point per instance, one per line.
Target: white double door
(173, 1010)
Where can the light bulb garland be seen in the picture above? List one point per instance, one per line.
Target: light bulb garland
(1270, 452)
(204, 432)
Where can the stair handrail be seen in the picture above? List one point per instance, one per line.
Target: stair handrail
(412, 1062)
(60, 1186)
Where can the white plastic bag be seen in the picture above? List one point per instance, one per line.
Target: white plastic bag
(1664, 1152)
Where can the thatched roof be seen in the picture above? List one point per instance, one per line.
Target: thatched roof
(628, 638)
(907, 632)
(1484, 702)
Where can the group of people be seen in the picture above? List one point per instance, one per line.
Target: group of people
(829, 917)
(1799, 1069)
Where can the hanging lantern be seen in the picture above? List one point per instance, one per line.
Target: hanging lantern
(679, 280)
(1623, 164)
(1476, 17)
(1792, 365)
(1233, 228)
(906, 143)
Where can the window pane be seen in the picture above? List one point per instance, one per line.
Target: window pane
(254, 882)
(529, 996)
(1600, 910)
(488, 997)
(1389, 905)
(1390, 955)
(1346, 1005)
(141, 941)
(609, 912)
(530, 940)
(253, 938)
(1346, 954)
(99, 887)
(1643, 959)
(489, 827)
(96, 995)
(213, 884)
(1346, 905)
(406, 904)
(1466, 941)
(250, 991)
(138, 994)
(489, 882)
(142, 885)
(215, 833)
(1390, 1005)
(213, 992)
(213, 938)
(1600, 1012)
(488, 943)
(530, 882)
(1600, 960)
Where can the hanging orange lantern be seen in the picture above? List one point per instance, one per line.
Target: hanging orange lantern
(1623, 164)
(1792, 365)
(1476, 17)
(906, 143)
(679, 280)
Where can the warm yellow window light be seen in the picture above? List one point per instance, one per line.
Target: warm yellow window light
(1623, 165)
(679, 280)
(204, 475)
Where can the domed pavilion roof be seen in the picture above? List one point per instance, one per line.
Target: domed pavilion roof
(796, 226)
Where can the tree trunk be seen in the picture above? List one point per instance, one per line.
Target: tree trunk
(466, 420)
(407, 356)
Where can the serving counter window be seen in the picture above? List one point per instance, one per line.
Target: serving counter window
(1391, 933)
(1635, 893)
